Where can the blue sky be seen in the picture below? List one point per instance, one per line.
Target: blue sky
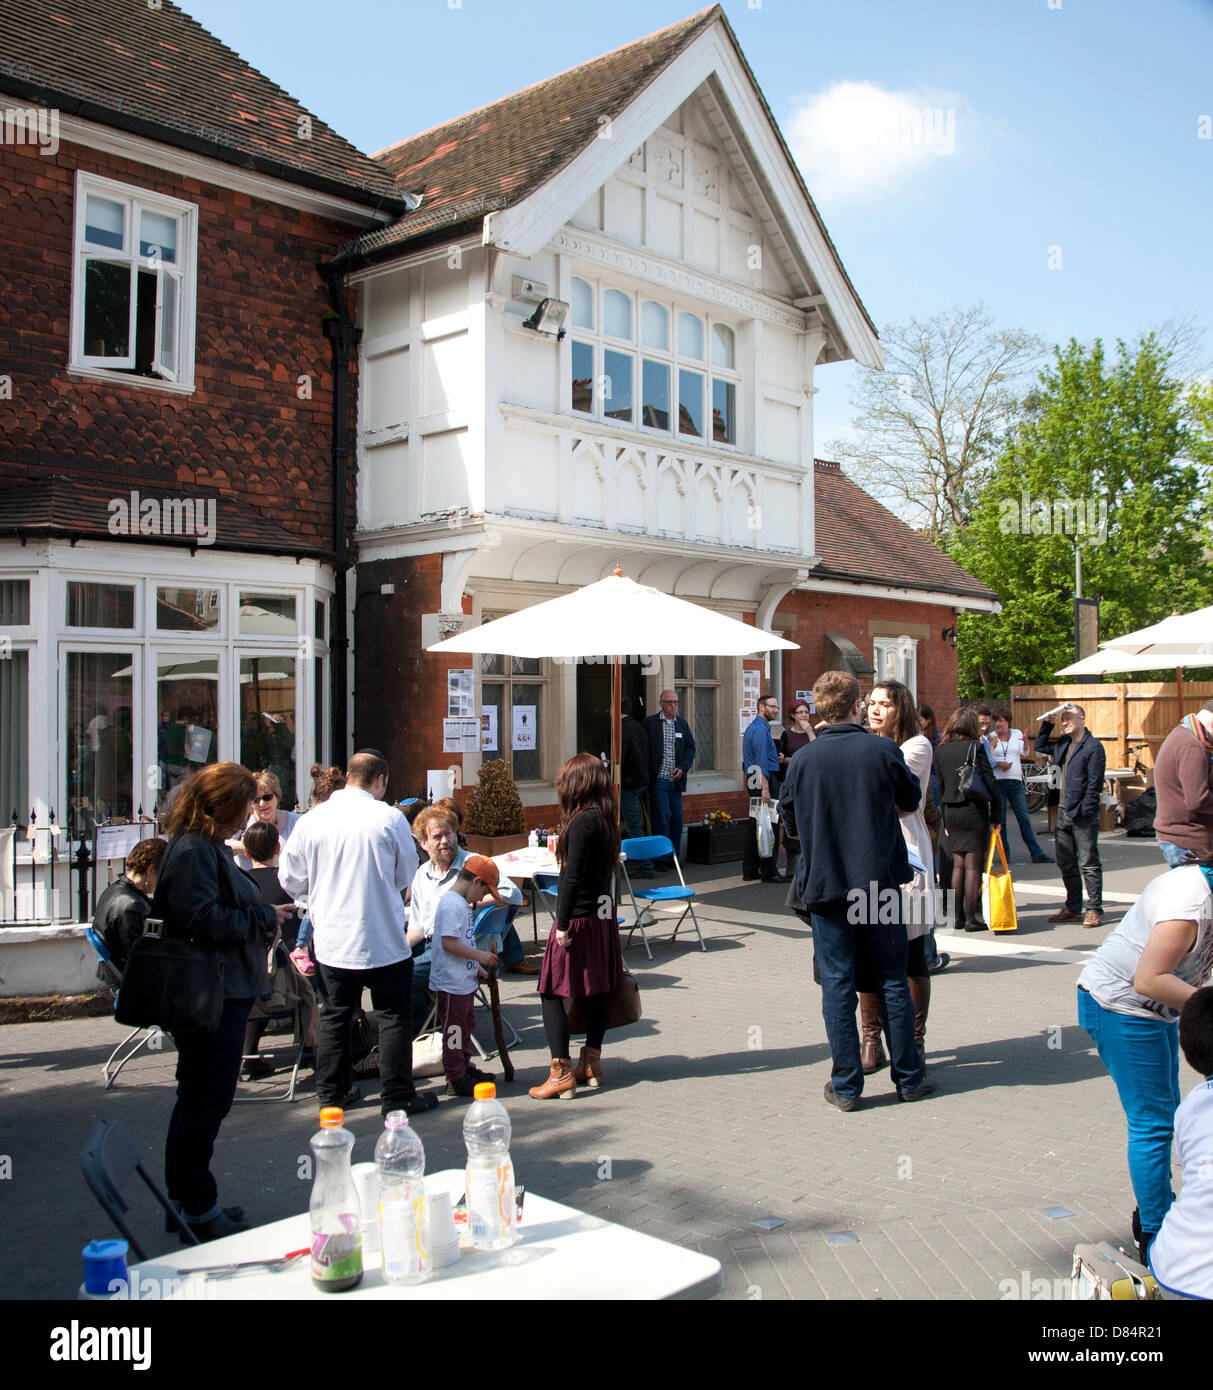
(1076, 126)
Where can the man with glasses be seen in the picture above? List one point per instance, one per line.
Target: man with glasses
(760, 764)
(671, 754)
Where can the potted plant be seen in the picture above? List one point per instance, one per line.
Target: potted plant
(494, 821)
(718, 840)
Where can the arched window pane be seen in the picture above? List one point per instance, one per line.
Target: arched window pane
(582, 306)
(690, 336)
(655, 325)
(617, 314)
(722, 346)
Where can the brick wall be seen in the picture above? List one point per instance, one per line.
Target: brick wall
(854, 618)
(260, 304)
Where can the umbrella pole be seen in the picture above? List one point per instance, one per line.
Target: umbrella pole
(616, 724)
(1179, 693)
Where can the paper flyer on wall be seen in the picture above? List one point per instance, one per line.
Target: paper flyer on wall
(524, 729)
(461, 735)
(488, 728)
(460, 694)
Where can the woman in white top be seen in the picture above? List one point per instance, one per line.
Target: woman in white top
(1129, 997)
(1006, 747)
(893, 714)
(266, 807)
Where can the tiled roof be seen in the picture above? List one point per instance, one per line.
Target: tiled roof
(859, 540)
(156, 72)
(75, 509)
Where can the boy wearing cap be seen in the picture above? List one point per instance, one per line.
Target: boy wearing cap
(457, 968)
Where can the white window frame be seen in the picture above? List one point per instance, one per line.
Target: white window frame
(685, 687)
(896, 658)
(600, 342)
(184, 274)
(505, 723)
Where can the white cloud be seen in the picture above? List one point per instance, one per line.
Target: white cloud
(855, 140)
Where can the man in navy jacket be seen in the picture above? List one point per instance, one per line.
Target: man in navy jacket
(1082, 760)
(671, 754)
(841, 798)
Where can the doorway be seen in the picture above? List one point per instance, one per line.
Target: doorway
(594, 702)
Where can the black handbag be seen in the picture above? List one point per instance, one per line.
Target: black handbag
(969, 781)
(170, 984)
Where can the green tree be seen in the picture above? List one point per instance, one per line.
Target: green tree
(1108, 461)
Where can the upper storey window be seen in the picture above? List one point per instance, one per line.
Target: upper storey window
(133, 285)
(652, 364)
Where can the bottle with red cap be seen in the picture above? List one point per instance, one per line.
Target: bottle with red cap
(336, 1233)
(490, 1174)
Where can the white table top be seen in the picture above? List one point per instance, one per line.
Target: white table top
(561, 1253)
(526, 863)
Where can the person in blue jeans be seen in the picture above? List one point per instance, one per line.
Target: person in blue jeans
(1006, 757)
(1129, 998)
(671, 756)
(841, 799)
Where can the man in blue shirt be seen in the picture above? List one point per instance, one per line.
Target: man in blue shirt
(760, 764)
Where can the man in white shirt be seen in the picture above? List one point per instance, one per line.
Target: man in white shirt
(1006, 749)
(352, 857)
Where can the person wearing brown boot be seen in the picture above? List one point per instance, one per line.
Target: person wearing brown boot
(871, 1047)
(588, 1071)
(892, 713)
(582, 959)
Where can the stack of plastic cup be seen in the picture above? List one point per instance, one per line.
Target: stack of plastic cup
(366, 1181)
(444, 1239)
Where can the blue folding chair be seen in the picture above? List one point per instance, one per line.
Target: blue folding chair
(109, 974)
(643, 850)
(547, 889)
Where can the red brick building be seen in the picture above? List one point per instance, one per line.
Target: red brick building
(174, 497)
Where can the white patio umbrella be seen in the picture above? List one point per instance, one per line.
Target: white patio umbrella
(1182, 640)
(613, 619)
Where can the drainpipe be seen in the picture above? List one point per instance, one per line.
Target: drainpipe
(344, 337)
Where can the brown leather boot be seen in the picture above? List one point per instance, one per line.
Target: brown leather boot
(871, 1052)
(561, 1084)
(588, 1071)
(920, 993)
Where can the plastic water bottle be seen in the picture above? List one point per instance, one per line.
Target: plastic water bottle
(490, 1174)
(404, 1220)
(336, 1239)
(532, 840)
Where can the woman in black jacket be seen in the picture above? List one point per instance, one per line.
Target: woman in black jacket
(966, 818)
(582, 959)
(202, 896)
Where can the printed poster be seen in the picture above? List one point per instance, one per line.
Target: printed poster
(488, 728)
(524, 729)
(459, 695)
(460, 735)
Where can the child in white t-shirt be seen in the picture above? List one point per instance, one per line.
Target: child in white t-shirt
(457, 967)
(1181, 1255)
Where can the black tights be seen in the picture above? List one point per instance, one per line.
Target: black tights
(556, 1022)
(966, 885)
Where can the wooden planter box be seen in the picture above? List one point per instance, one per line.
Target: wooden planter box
(707, 844)
(495, 844)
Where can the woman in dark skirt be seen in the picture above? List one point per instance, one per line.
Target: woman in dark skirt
(582, 960)
(966, 820)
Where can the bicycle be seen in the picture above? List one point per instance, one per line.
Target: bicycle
(1041, 782)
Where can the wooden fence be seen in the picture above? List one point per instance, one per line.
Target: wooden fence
(1118, 714)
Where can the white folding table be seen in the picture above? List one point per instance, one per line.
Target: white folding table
(561, 1254)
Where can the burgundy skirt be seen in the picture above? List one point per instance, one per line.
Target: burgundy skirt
(591, 963)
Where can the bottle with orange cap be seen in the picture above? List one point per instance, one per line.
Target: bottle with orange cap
(490, 1174)
(336, 1233)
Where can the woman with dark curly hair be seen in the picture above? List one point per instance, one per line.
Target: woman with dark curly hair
(582, 959)
(202, 896)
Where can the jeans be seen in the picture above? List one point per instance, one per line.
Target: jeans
(871, 957)
(391, 996)
(1011, 793)
(1175, 855)
(420, 986)
(665, 806)
(208, 1067)
(1078, 848)
(456, 1019)
(629, 807)
(1142, 1057)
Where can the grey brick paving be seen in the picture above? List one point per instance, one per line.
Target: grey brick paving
(711, 1117)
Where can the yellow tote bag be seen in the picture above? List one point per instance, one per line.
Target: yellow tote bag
(997, 895)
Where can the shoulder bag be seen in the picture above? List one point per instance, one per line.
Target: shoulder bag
(969, 782)
(170, 983)
(623, 1008)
